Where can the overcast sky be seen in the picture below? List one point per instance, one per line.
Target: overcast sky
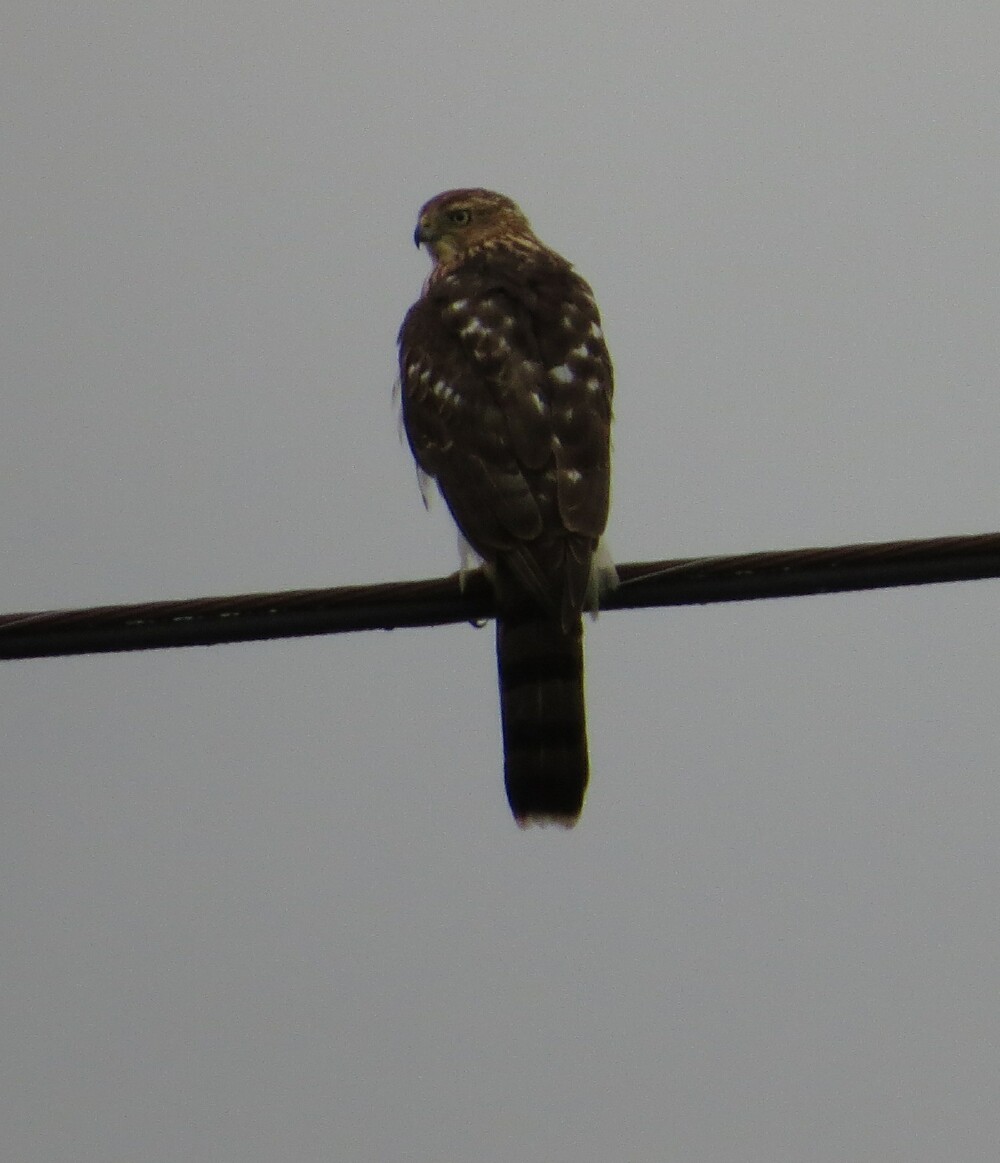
(267, 902)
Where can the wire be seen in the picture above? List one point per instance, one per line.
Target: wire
(442, 601)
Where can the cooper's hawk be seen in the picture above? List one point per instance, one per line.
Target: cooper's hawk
(506, 389)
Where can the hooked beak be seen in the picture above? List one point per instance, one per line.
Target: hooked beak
(422, 234)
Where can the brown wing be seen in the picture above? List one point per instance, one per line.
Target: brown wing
(507, 401)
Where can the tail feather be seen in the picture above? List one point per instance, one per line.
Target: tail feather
(542, 711)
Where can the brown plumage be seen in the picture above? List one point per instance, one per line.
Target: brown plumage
(506, 389)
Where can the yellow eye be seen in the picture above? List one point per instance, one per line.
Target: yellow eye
(459, 216)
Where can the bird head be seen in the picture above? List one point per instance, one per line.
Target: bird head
(458, 221)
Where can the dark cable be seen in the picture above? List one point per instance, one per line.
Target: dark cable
(440, 601)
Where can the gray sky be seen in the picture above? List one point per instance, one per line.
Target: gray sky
(267, 902)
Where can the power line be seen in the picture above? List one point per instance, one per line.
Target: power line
(441, 601)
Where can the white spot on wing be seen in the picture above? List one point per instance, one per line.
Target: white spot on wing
(473, 327)
(538, 402)
(573, 475)
(444, 392)
(583, 351)
(563, 374)
(596, 332)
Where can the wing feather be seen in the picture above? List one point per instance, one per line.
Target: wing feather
(506, 387)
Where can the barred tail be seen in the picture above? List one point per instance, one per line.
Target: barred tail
(542, 711)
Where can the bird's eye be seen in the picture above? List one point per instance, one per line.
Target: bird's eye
(459, 216)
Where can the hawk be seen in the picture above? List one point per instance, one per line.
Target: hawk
(506, 398)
